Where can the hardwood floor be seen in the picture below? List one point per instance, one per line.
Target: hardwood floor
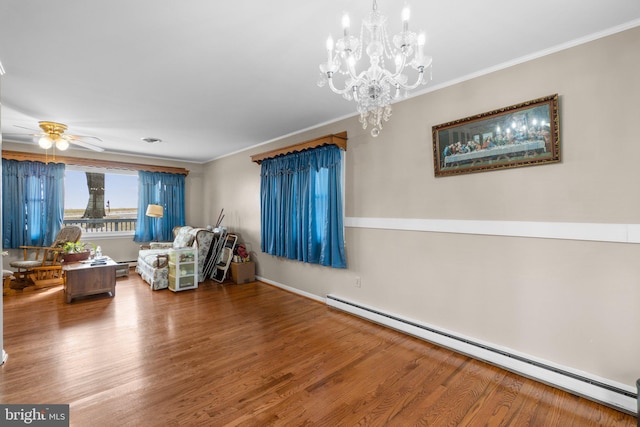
(254, 355)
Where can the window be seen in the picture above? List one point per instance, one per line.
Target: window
(301, 206)
(32, 194)
(166, 190)
(100, 200)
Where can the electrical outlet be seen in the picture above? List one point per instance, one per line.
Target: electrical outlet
(358, 282)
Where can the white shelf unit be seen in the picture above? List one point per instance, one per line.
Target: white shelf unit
(183, 269)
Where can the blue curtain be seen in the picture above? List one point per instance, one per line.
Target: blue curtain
(301, 207)
(32, 202)
(166, 190)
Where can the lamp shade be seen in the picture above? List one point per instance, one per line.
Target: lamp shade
(155, 211)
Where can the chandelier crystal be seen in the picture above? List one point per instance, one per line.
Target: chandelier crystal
(371, 88)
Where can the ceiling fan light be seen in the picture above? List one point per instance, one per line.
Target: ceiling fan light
(45, 142)
(62, 144)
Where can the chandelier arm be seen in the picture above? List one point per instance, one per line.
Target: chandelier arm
(417, 83)
(412, 86)
(346, 89)
(356, 80)
(399, 68)
(351, 69)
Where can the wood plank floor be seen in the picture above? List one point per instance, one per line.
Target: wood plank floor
(254, 355)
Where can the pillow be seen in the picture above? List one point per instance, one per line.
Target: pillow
(184, 238)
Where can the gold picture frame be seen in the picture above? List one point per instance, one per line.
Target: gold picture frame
(524, 134)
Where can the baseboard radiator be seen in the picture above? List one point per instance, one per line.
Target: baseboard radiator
(617, 396)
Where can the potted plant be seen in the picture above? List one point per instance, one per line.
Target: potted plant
(75, 251)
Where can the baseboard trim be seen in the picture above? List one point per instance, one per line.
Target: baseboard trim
(292, 290)
(610, 393)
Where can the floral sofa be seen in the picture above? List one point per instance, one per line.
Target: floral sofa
(153, 262)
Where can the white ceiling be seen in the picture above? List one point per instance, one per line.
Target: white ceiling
(210, 78)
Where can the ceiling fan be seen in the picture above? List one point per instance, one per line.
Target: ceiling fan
(53, 135)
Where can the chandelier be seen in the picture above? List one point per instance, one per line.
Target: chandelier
(371, 88)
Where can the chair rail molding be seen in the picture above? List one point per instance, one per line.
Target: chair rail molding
(598, 232)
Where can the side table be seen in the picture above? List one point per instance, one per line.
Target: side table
(83, 278)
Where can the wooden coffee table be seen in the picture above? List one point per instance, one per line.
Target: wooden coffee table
(87, 279)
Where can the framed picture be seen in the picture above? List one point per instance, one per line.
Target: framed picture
(525, 134)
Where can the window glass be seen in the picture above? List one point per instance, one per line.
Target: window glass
(101, 201)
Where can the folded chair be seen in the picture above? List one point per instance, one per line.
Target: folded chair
(224, 259)
(40, 257)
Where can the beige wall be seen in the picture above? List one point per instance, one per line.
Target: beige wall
(574, 303)
(124, 248)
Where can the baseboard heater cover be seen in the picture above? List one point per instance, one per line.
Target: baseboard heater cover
(617, 396)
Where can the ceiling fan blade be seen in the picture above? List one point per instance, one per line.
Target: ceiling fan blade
(31, 129)
(76, 141)
(30, 137)
(76, 137)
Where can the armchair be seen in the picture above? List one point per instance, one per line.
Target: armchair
(38, 257)
(153, 261)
